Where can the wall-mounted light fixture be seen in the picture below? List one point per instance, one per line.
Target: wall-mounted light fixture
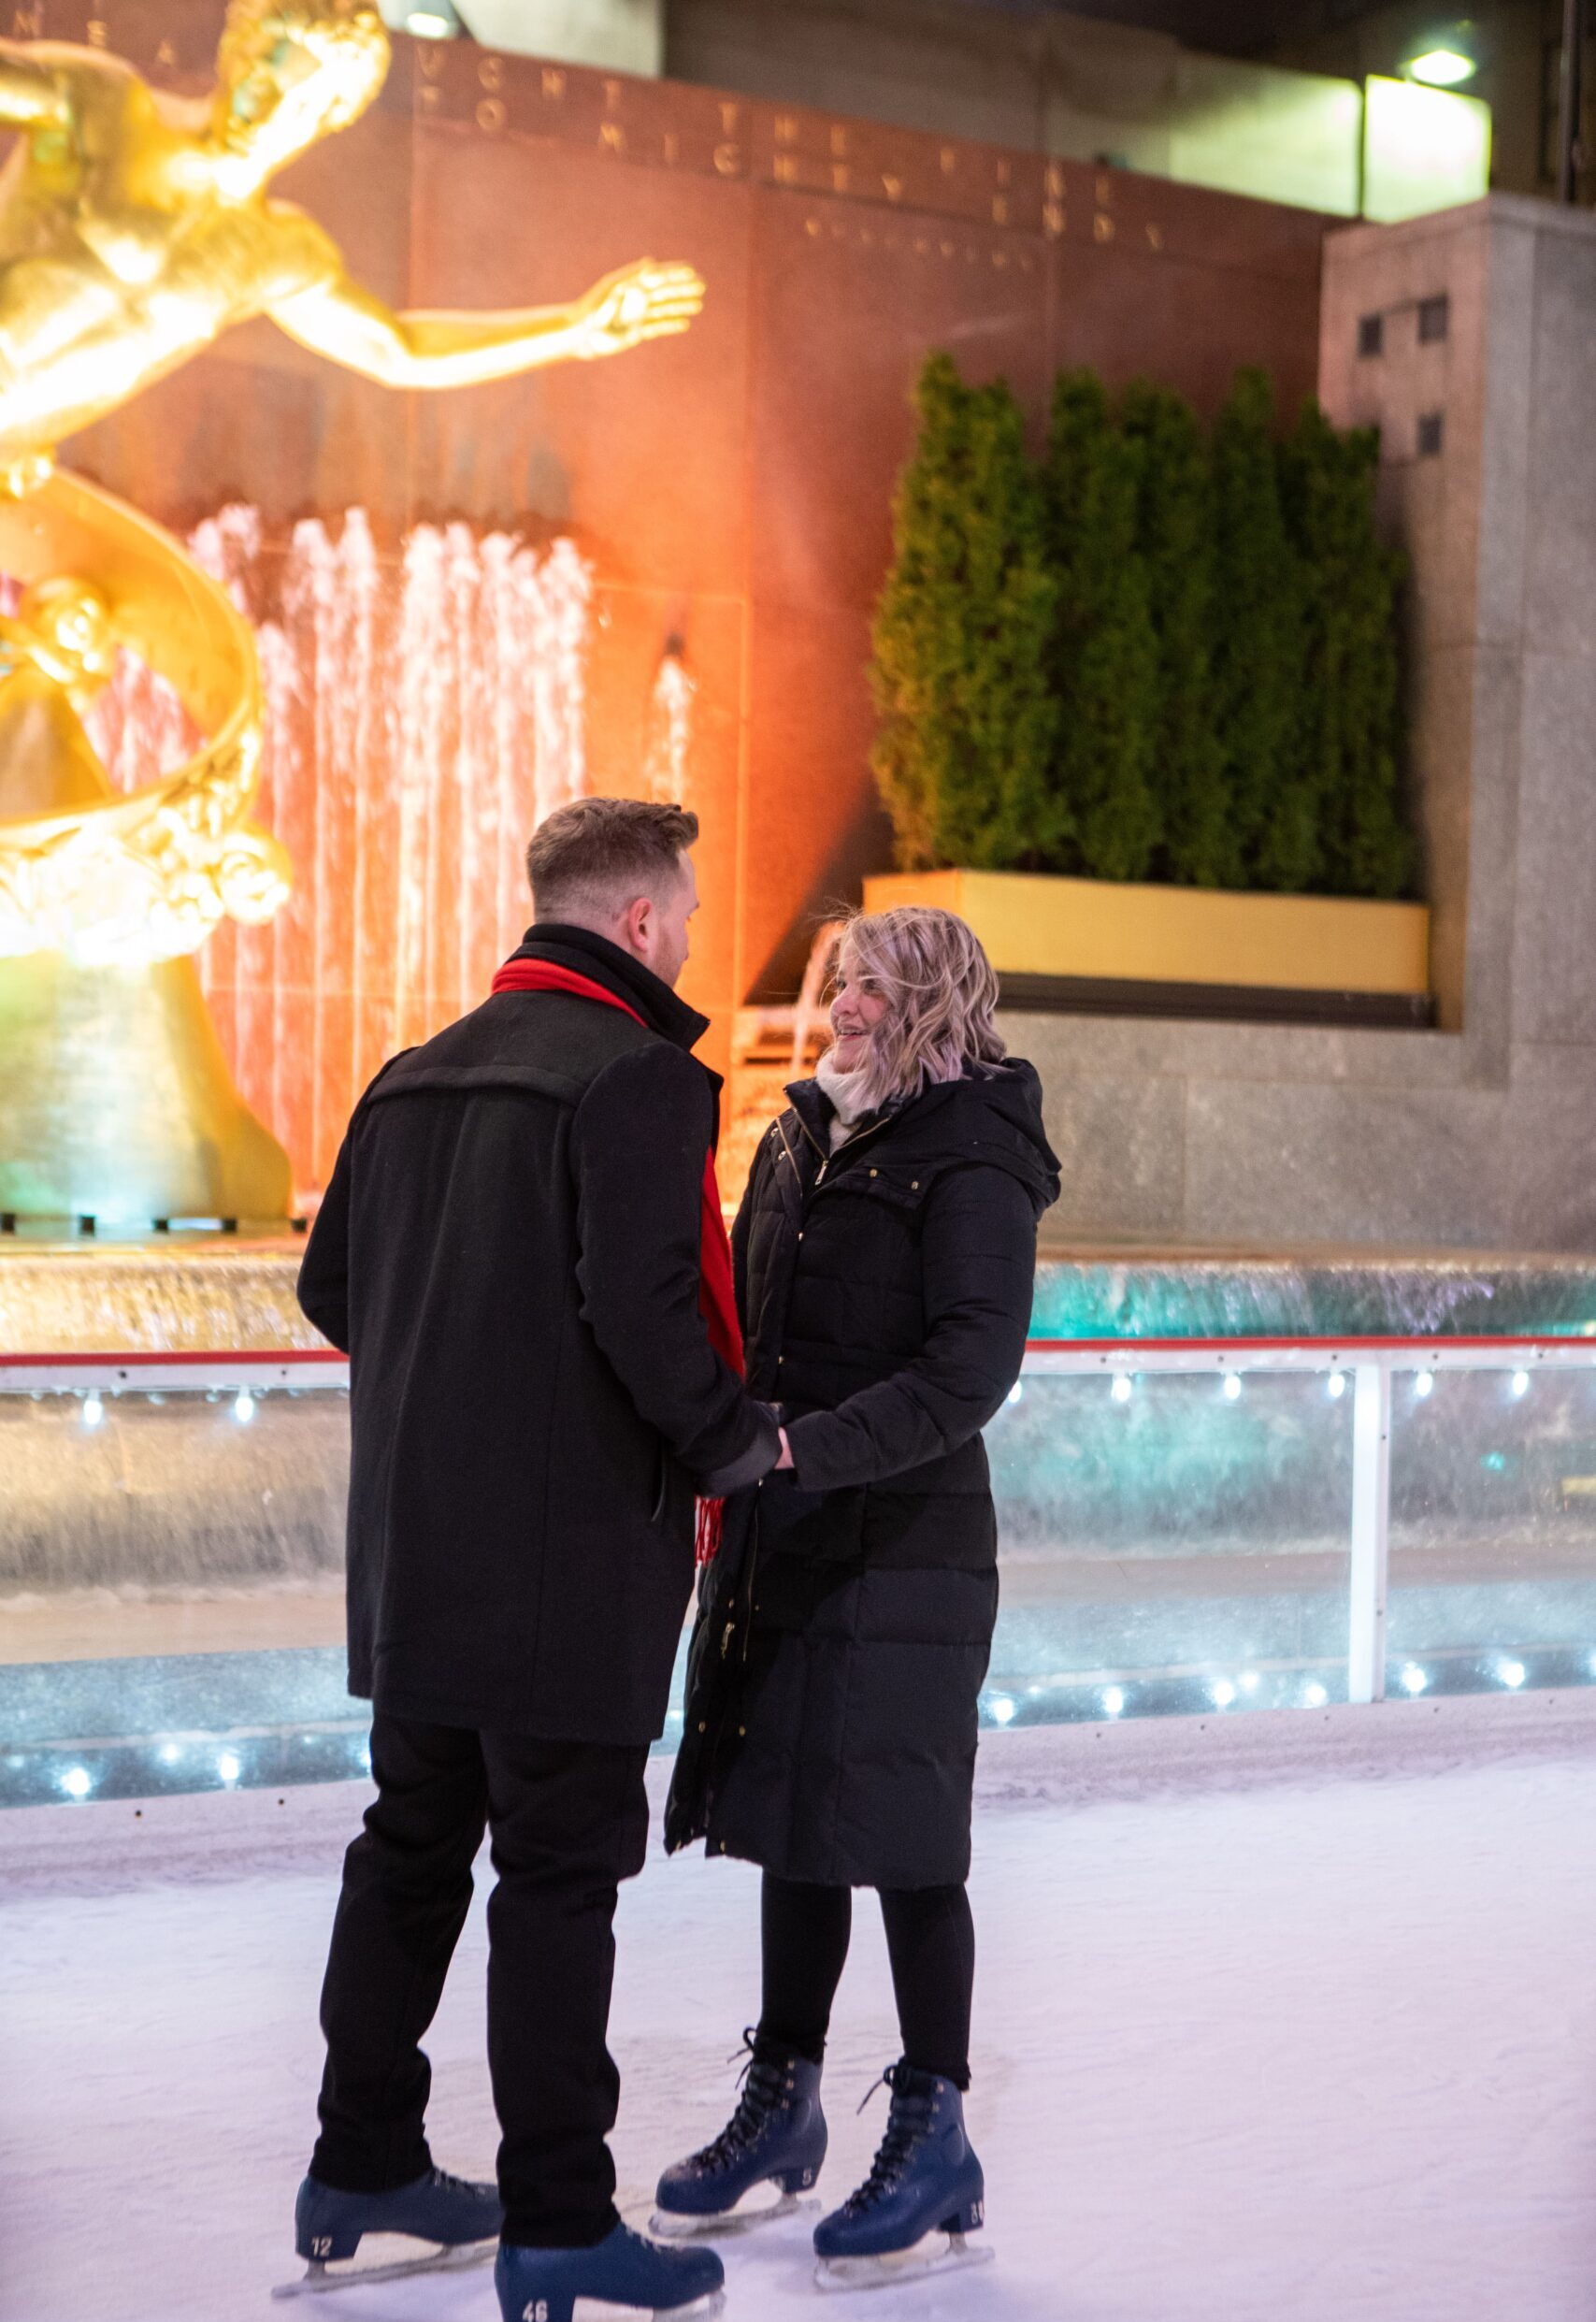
(1442, 68)
(423, 20)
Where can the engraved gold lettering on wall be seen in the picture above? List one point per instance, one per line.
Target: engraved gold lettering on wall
(786, 168)
(786, 129)
(429, 61)
(838, 177)
(553, 83)
(1104, 189)
(490, 72)
(948, 158)
(491, 115)
(1005, 175)
(728, 121)
(166, 55)
(611, 137)
(671, 149)
(97, 31)
(999, 209)
(1053, 220)
(1103, 228)
(728, 160)
(27, 25)
(1053, 183)
(428, 97)
(892, 187)
(811, 227)
(839, 140)
(1155, 236)
(611, 96)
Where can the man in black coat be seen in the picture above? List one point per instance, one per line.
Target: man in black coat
(511, 1252)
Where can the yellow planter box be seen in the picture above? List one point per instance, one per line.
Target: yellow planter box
(1094, 929)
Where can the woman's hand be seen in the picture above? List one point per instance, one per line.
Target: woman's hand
(787, 1458)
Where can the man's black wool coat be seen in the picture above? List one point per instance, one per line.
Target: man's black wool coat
(508, 1250)
(844, 1631)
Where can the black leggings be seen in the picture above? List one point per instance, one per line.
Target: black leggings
(930, 1939)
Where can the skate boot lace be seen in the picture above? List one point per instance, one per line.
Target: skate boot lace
(908, 2122)
(444, 2183)
(762, 2083)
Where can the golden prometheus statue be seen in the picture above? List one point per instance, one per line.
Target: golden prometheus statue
(135, 228)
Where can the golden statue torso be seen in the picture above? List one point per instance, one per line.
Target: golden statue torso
(136, 229)
(121, 256)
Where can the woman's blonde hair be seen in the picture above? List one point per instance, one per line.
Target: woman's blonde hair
(941, 993)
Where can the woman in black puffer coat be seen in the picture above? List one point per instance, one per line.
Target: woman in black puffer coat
(885, 1251)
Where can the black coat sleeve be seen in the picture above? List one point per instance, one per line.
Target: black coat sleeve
(639, 1145)
(324, 1272)
(978, 1255)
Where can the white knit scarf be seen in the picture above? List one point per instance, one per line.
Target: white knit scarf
(847, 1100)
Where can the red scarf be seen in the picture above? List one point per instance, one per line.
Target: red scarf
(717, 1296)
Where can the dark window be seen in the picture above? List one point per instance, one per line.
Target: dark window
(1433, 317)
(1430, 431)
(1371, 334)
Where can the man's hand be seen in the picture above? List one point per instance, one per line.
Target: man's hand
(642, 301)
(787, 1458)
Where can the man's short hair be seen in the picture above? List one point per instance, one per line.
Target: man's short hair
(597, 856)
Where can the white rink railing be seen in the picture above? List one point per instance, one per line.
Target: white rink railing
(1369, 1364)
(295, 1369)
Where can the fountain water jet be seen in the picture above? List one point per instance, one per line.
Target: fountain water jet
(424, 710)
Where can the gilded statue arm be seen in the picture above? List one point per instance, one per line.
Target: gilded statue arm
(340, 319)
(29, 97)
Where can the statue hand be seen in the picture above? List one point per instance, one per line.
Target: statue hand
(638, 302)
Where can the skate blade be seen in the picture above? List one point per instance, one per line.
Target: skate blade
(319, 2277)
(713, 2302)
(940, 2254)
(667, 2226)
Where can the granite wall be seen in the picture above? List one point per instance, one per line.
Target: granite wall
(1481, 1132)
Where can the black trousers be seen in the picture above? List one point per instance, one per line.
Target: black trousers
(570, 1820)
(930, 1940)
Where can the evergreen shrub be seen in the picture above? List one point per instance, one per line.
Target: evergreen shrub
(1150, 654)
(1101, 817)
(963, 633)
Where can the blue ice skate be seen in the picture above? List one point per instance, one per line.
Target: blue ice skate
(776, 2136)
(925, 2180)
(461, 2220)
(622, 2270)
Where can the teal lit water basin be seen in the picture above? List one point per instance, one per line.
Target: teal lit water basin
(1331, 1294)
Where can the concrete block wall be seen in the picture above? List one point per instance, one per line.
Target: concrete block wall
(1483, 1132)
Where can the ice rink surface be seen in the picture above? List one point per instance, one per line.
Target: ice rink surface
(1289, 2018)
